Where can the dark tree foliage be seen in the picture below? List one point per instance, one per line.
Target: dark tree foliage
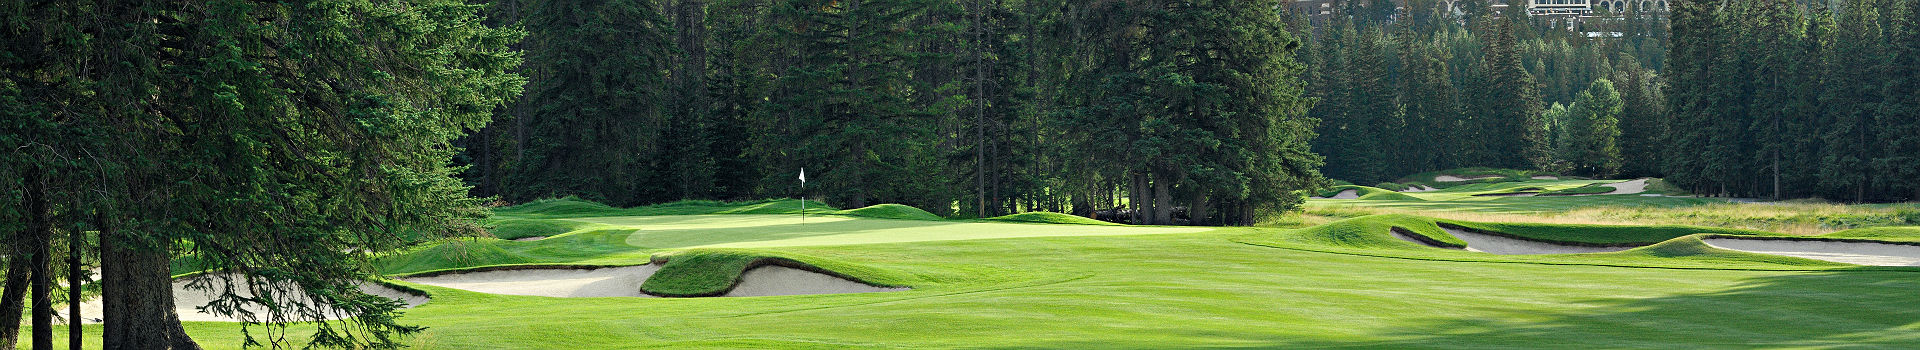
(1436, 90)
(271, 140)
(1781, 99)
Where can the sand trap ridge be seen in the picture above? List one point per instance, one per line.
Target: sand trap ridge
(1347, 194)
(1492, 244)
(1451, 178)
(560, 283)
(1544, 177)
(529, 239)
(1628, 187)
(187, 300)
(1420, 188)
(780, 280)
(1858, 253)
(625, 282)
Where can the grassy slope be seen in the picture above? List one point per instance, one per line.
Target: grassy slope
(1369, 193)
(1461, 197)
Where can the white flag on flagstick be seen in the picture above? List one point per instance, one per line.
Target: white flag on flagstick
(803, 174)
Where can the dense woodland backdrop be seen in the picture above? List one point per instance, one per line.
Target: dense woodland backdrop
(276, 138)
(970, 107)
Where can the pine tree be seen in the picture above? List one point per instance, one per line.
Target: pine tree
(595, 119)
(1898, 122)
(1593, 131)
(1510, 123)
(1855, 67)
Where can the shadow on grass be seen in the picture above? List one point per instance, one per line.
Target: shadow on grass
(1847, 309)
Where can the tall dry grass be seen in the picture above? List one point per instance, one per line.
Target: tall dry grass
(1800, 218)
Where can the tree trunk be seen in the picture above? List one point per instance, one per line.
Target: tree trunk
(40, 241)
(1140, 200)
(1197, 212)
(75, 246)
(1162, 201)
(137, 295)
(18, 276)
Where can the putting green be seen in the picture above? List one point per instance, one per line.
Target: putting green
(760, 231)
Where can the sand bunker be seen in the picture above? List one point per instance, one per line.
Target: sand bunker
(187, 300)
(1502, 245)
(1858, 253)
(1451, 178)
(529, 239)
(1544, 177)
(780, 280)
(1347, 194)
(1628, 187)
(561, 283)
(1508, 194)
(1420, 188)
(625, 282)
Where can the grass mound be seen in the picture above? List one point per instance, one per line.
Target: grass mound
(1475, 175)
(712, 272)
(524, 228)
(1690, 247)
(593, 245)
(1665, 246)
(1369, 193)
(1588, 189)
(571, 207)
(1050, 218)
(1892, 234)
(891, 211)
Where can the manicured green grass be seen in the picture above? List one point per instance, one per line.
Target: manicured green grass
(710, 272)
(1050, 218)
(891, 211)
(1347, 284)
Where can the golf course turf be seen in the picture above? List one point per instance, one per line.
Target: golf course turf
(987, 284)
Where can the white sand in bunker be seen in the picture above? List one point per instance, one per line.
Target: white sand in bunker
(1347, 194)
(563, 283)
(1492, 244)
(1544, 177)
(186, 300)
(529, 239)
(1628, 187)
(780, 280)
(1451, 178)
(1858, 253)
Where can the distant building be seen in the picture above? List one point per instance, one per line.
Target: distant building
(1319, 9)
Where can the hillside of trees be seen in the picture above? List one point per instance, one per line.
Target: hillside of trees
(1433, 91)
(968, 107)
(1778, 99)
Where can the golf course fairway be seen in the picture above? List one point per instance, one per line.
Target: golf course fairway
(985, 284)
